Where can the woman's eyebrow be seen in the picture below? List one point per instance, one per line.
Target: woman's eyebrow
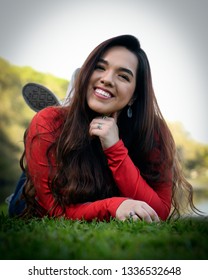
(123, 69)
(128, 71)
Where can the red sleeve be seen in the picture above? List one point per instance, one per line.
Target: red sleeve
(132, 185)
(39, 138)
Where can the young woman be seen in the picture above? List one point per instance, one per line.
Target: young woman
(109, 153)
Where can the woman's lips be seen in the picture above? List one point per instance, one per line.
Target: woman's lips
(102, 93)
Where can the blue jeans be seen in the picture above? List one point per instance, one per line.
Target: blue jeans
(17, 204)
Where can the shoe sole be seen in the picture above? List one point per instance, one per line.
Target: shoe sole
(38, 97)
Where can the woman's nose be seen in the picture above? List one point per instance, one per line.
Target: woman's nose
(107, 78)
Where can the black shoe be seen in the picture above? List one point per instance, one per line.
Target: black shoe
(38, 97)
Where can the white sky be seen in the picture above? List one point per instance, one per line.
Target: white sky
(56, 36)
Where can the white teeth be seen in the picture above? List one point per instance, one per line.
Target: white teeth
(102, 92)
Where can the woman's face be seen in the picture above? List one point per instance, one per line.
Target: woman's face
(112, 84)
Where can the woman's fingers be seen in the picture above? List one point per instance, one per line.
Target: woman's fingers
(136, 210)
(147, 213)
(133, 216)
(106, 129)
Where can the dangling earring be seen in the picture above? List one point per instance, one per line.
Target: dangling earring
(129, 112)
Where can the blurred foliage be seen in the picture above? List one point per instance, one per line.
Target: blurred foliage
(15, 116)
(194, 155)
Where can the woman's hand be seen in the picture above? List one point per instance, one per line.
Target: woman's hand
(106, 129)
(137, 210)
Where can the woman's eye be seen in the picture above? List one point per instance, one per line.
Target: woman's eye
(99, 67)
(125, 77)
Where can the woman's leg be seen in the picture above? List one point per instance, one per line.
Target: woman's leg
(17, 204)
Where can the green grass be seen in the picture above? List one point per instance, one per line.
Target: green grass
(79, 240)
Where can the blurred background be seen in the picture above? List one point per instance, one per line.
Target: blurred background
(45, 41)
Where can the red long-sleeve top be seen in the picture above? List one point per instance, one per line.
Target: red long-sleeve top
(126, 175)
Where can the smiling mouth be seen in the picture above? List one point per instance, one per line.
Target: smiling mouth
(102, 93)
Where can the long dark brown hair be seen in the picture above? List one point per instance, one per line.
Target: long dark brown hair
(82, 173)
